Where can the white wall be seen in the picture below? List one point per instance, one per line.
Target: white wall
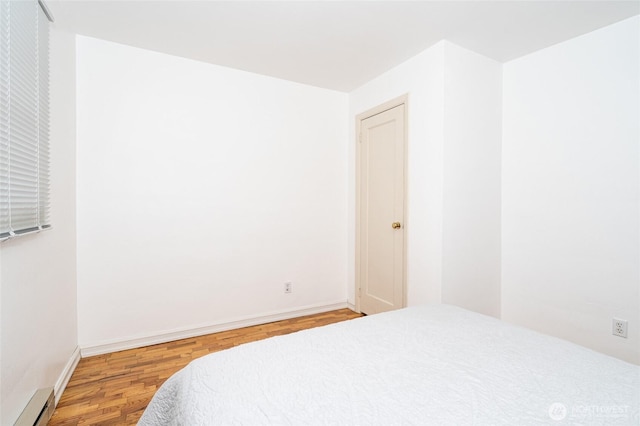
(38, 272)
(453, 217)
(201, 190)
(570, 234)
(422, 79)
(471, 205)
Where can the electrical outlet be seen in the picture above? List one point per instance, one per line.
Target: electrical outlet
(287, 287)
(620, 327)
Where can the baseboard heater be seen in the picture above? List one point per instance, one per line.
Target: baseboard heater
(39, 409)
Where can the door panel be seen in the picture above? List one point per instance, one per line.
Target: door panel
(381, 272)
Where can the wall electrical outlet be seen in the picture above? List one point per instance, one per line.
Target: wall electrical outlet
(619, 327)
(287, 287)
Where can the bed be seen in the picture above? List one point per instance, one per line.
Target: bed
(425, 365)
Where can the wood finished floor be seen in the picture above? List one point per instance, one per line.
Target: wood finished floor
(114, 389)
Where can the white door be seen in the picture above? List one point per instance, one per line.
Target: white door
(380, 269)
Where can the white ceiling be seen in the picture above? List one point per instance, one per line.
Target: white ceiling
(334, 44)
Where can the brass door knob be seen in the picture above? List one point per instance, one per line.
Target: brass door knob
(396, 225)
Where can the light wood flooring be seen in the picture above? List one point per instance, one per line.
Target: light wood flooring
(114, 389)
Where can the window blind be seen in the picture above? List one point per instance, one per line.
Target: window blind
(24, 118)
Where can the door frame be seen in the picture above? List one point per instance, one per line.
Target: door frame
(401, 100)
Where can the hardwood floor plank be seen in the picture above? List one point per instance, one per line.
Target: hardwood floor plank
(115, 388)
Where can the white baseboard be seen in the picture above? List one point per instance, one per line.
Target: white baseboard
(122, 345)
(68, 370)
(352, 307)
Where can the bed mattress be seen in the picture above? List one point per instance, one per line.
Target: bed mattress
(426, 365)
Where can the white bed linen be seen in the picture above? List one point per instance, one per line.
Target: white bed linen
(426, 365)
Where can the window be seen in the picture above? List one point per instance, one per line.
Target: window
(24, 118)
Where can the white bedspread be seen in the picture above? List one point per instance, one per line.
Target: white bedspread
(423, 366)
